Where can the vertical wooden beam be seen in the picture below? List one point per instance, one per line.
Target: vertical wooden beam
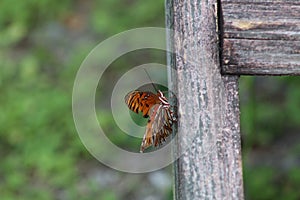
(208, 137)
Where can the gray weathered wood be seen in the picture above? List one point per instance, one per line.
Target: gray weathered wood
(208, 137)
(261, 37)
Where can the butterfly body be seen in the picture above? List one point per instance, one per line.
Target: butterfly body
(157, 108)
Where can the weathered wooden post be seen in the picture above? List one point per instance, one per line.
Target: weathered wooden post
(208, 122)
(214, 42)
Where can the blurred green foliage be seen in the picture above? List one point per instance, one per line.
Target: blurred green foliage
(42, 46)
(18, 18)
(270, 125)
(43, 43)
(117, 16)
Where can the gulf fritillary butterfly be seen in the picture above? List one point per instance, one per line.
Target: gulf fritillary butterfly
(157, 108)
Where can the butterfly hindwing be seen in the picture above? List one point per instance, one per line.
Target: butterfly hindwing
(159, 126)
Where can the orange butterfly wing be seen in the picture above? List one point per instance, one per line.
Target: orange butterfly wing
(159, 125)
(141, 101)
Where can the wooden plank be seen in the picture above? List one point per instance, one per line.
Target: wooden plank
(261, 37)
(208, 137)
(265, 57)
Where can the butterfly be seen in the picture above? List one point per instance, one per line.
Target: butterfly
(157, 108)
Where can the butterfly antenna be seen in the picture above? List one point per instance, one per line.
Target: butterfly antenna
(151, 80)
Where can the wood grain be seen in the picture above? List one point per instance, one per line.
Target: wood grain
(208, 147)
(261, 37)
